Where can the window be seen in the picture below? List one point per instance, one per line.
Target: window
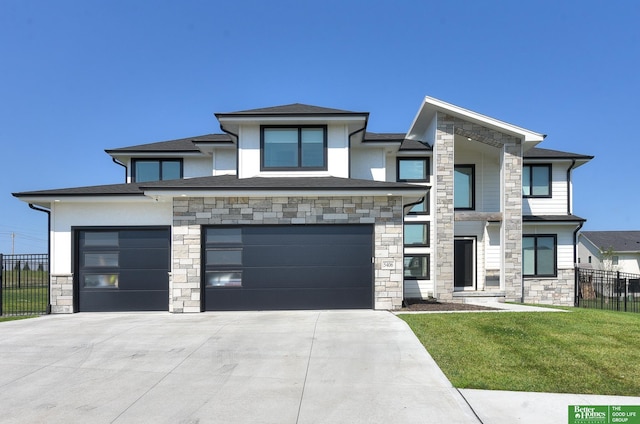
(614, 260)
(536, 180)
(294, 148)
(413, 169)
(156, 169)
(416, 234)
(539, 255)
(223, 257)
(421, 208)
(416, 267)
(464, 187)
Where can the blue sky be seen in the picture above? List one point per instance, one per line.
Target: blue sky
(77, 77)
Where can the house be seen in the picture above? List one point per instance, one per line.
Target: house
(610, 250)
(300, 207)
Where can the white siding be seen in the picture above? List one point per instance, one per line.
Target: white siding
(337, 154)
(224, 161)
(196, 167)
(66, 215)
(564, 239)
(557, 204)
(368, 164)
(493, 252)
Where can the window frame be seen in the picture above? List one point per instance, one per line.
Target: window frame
(299, 167)
(472, 189)
(427, 168)
(134, 163)
(550, 175)
(535, 258)
(426, 226)
(427, 259)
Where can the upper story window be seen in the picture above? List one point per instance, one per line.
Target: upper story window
(464, 196)
(536, 180)
(539, 255)
(156, 169)
(413, 169)
(294, 148)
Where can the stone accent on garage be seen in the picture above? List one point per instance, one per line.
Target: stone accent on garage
(191, 213)
(62, 294)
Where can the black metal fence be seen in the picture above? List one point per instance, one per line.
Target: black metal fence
(613, 290)
(24, 284)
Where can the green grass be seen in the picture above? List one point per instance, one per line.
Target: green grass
(24, 300)
(584, 351)
(14, 318)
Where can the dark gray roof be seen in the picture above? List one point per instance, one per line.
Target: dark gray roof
(228, 182)
(552, 218)
(291, 109)
(538, 153)
(618, 241)
(414, 145)
(179, 145)
(384, 137)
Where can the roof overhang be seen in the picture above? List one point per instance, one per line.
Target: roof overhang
(230, 123)
(430, 107)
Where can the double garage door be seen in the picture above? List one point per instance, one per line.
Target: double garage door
(253, 267)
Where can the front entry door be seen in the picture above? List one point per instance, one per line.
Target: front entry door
(464, 263)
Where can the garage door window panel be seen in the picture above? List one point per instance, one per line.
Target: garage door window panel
(100, 281)
(223, 279)
(223, 257)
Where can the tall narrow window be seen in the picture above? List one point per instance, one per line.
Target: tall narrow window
(294, 148)
(539, 255)
(464, 187)
(416, 234)
(145, 170)
(536, 180)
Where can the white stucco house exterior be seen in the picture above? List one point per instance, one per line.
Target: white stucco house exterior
(300, 207)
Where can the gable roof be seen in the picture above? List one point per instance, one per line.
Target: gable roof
(618, 241)
(295, 109)
(175, 146)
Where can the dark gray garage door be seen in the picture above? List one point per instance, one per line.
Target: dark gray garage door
(123, 269)
(288, 267)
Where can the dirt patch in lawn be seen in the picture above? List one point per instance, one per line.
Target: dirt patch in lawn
(435, 306)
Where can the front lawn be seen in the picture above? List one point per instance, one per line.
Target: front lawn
(583, 351)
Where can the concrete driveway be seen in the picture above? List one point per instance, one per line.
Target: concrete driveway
(230, 367)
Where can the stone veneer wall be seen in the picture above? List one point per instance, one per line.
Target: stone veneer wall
(62, 294)
(556, 291)
(191, 213)
(511, 194)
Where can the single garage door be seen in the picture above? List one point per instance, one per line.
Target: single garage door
(259, 267)
(123, 269)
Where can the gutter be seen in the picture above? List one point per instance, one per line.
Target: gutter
(575, 244)
(48, 212)
(232, 134)
(366, 121)
(573, 164)
(126, 170)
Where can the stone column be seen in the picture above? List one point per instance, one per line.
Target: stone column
(512, 219)
(443, 157)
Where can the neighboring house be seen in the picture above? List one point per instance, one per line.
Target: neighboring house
(299, 207)
(610, 250)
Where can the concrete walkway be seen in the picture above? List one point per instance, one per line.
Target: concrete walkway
(233, 367)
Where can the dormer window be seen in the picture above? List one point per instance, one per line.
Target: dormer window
(156, 169)
(293, 148)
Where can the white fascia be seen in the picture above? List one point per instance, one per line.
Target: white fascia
(431, 106)
(280, 193)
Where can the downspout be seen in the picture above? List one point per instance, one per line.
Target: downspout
(575, 244)
(366, 120)
(414, 203)
(48, 212)
(126, 170)
(237, 148)
(573, 164)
